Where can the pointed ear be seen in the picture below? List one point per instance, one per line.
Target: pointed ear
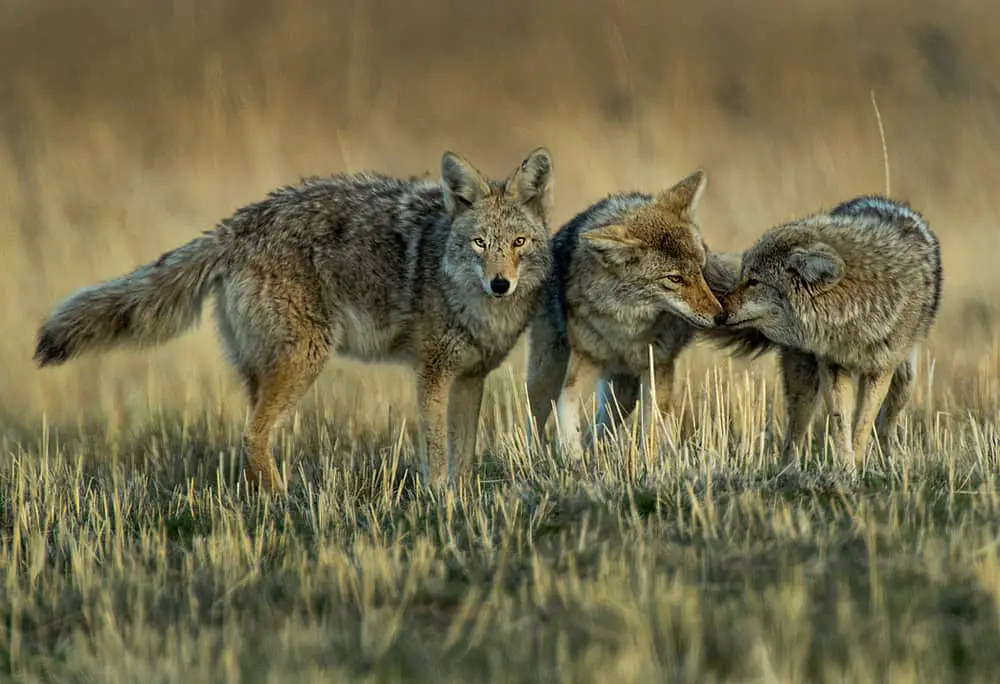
(722, 272)
(531, 183)
(461, 182)
(820, 267)
(682, 199)
(611, 238)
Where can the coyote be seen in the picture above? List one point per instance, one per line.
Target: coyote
(722, 273)
(628, 287)
(442, 277)
(849, 293)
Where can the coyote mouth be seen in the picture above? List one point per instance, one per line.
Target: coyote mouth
(700, 321)
(689, 316)
(739, 323)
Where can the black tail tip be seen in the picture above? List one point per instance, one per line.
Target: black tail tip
(49, 352)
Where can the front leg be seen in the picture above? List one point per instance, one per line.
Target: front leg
(836, 383)
(800, 382)
(464, 407)
(872, 390)
(433, 388)
(657, 388)
(548, 361)
(581, 376)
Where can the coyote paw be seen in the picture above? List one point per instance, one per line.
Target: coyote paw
(264, 480)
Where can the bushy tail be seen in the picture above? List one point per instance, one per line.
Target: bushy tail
(148, 306)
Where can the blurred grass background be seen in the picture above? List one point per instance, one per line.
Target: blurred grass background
(127, 128)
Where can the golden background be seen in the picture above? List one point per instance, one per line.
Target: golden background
(126, 128)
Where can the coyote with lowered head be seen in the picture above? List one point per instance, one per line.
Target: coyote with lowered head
(441, 276)
(842, 295)
(628, 277)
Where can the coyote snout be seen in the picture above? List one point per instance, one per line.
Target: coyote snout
(501, 286)
(696, 304)
(739, 306)
(498, 266)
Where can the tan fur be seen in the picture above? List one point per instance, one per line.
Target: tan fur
(845, 296)
(628, 276)
(443, 277)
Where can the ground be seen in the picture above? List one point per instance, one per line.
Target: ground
(135, 559)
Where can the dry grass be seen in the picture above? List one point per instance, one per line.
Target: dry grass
(127, 129)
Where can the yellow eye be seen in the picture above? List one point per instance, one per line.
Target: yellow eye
(480, 243)
(676, 279)
(519, 242)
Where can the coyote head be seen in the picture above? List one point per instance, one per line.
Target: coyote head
(656, 255)
(499, 229)
(787, 267)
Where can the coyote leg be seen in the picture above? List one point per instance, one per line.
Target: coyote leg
(800, 382)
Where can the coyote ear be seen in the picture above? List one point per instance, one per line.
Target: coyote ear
(820, 267)
(722, 272)
(461, 182)
(682, 199)
(531, 183)
(611, 238)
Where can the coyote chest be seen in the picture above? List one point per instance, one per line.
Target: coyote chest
(482, 341)
(626, 347)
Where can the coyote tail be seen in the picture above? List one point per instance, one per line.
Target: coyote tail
(148, 306)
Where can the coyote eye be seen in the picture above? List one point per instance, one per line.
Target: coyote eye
(752, 281)
(480, 243)
(676, 279)
(519, 242)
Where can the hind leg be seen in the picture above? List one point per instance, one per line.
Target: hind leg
(617, 395)
(900, 391)
(279, 354)
(278, 391)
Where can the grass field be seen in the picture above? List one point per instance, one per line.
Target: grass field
(127, 128)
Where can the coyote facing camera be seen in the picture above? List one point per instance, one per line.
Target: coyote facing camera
(628, 282)
(845, 295)
(443, 277)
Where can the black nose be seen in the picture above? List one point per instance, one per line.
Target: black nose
(499, 285)
(720, 318)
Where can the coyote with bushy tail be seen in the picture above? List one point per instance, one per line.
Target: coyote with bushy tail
(443, 277)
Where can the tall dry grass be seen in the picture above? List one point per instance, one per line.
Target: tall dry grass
(127, 128)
